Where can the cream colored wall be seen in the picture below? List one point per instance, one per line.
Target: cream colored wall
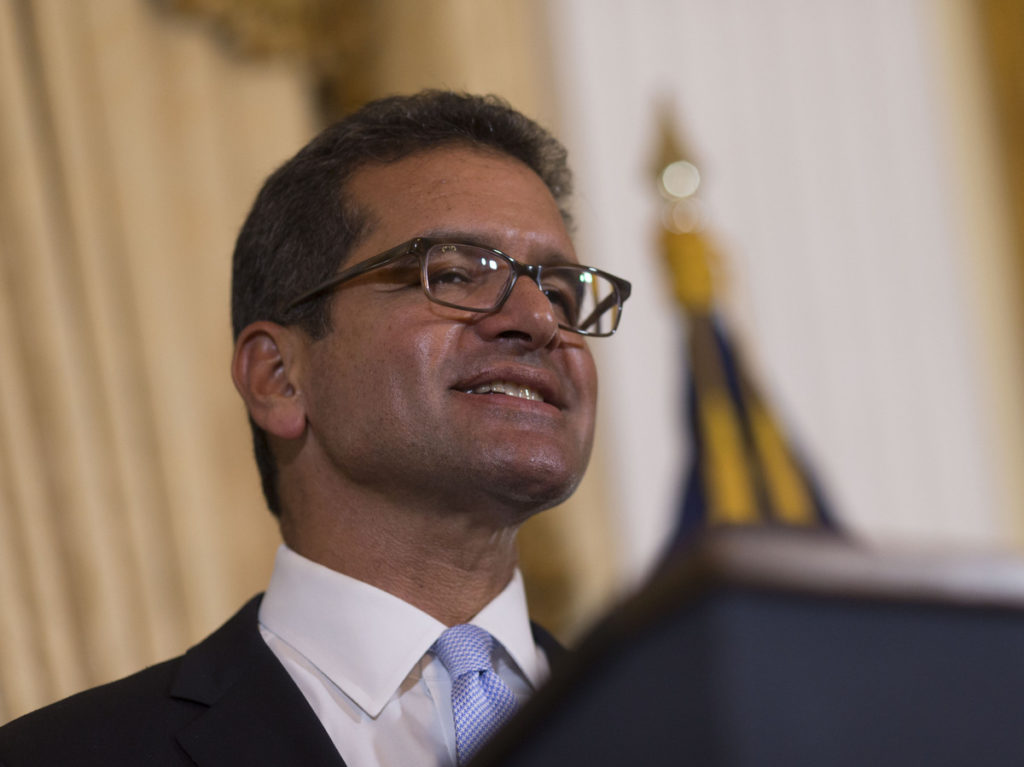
(850, 180)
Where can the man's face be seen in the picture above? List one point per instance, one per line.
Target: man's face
(394, 394)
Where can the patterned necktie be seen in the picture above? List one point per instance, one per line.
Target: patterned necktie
(481, 701)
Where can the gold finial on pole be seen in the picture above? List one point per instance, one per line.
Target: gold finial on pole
(690, 258)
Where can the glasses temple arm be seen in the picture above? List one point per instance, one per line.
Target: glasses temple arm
(600, 309)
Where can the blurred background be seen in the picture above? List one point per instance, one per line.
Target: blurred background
(861, 179)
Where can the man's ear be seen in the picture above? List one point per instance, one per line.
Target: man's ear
(265, 371)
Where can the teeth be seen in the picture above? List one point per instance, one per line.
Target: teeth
(509, 389)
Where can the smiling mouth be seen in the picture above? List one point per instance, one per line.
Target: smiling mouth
(508, 389)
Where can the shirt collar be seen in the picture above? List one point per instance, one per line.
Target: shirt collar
(366, 640)
(507, 620)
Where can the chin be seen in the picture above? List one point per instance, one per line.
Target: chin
(539, 488)
(527, 476)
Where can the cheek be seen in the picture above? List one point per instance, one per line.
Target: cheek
(588, 377)
(584, 375)
(410, 369)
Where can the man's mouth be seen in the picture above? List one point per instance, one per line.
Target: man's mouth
(508, 389)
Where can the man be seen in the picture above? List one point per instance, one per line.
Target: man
(410, 322)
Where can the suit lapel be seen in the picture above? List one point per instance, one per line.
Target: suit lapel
(256, 715)
(259, 722)
(556, 652)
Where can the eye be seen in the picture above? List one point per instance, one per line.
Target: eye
(563, 302)
(450, 275)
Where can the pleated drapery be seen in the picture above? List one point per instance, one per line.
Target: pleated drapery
(130, 515)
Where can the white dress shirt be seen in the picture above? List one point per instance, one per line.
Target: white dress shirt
(360, 656)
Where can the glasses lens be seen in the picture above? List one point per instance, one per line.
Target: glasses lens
(466, 276)
(470, 277)
(583, 300)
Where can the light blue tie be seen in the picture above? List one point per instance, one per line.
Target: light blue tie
(481, 701)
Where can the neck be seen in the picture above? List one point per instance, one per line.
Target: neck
(448, 565)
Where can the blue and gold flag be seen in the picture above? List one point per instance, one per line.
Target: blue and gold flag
(743, 469)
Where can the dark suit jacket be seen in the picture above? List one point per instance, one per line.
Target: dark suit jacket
(227, 701)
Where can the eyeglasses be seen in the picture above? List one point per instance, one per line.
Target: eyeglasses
(584, 300)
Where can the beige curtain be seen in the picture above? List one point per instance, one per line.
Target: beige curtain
(132, 142)
(130, 517)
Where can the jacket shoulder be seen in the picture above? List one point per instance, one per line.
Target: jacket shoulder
(133, 720)
(128, 717)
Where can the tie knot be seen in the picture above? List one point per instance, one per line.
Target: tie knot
(463, 649)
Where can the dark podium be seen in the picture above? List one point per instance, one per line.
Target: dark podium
(774, 648)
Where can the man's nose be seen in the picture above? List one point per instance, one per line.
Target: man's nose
(527, 315)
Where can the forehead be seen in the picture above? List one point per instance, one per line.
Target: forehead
(491, 197)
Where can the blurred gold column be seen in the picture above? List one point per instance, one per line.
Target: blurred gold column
(982, 45)
(1001, 26)
(1002, 29)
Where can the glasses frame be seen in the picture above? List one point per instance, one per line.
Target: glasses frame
(420, 246)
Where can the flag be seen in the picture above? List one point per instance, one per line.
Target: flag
(743, 469)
